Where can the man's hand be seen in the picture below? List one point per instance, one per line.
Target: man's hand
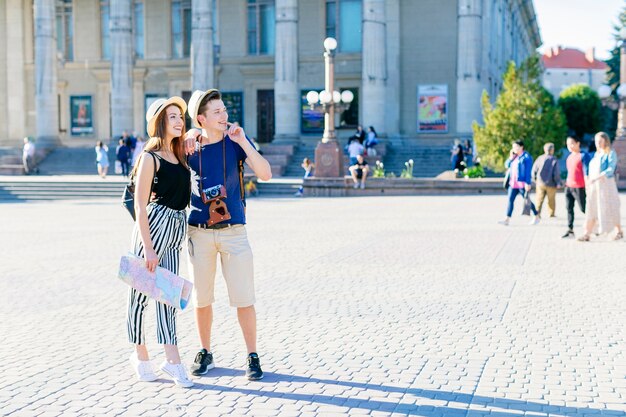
(190, 140)
(236, 134)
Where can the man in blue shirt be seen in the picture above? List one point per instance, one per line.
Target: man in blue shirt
(217, 181)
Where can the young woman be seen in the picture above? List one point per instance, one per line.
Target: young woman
(102, 159)
(159, 230)
(603, 205)
(308, 167)
(371, 141)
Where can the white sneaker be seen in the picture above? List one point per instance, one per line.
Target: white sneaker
(535, 220)
(178, 374)
(356, 185)
(143, 369)
(504, 222)
(362, 186)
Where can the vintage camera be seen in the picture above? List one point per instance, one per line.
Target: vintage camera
(213, 193)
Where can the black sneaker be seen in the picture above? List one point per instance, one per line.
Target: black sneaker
(254, 372)
(203, 363)
(567, 234)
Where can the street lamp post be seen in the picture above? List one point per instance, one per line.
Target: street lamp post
(619, 144)
(328, 155)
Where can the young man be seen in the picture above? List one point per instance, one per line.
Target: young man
(218, 161)
(519, 164)
(359, 171)
(577, 170)
(547, 176)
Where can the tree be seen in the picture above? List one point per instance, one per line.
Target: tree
(523, 110)
(582, 108)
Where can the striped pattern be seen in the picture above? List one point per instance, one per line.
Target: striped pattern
(167, 231)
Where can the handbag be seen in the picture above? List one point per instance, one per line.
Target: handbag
(128, 196)
(507, 178)
(162, 285)
(527, 205)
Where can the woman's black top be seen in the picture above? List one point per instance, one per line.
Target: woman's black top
(173, 187)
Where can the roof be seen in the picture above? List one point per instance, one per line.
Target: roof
(559, 57)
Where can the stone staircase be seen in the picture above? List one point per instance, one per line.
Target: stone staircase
(428, 160)
(36, 188)
(75, 161)
(11, 161)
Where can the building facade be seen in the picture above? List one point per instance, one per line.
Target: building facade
(417, 68)
(564, 67)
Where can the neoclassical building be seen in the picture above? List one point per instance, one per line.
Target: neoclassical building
(82, 70)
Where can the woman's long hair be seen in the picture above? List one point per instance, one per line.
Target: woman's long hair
(607, 141)
(157, 143)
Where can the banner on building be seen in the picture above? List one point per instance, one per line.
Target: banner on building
(234, 105)
(311, 120)
(432, 108)
(82, 115)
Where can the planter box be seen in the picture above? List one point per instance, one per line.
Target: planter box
(342, 187)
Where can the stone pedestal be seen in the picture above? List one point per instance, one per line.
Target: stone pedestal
(328, 160)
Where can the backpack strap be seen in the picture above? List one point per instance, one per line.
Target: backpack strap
(242, 190)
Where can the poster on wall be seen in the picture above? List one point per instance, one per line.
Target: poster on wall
(234, 105)
(311, 120)
(81, 113)
(432, 108)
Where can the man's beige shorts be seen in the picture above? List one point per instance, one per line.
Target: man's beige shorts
(232, 245)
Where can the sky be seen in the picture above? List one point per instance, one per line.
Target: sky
(580, 24)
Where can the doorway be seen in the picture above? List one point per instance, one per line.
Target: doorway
(265, 116)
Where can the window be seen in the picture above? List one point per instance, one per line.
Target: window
(344, 23)
(261, 27)
(181, 28)
(137, 25)
(65, 29)
(138, 28)
(350, 117)
(105, 34)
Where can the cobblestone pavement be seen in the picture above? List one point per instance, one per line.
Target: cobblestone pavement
(366, 306)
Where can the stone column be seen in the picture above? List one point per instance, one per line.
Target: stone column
(392, 109)
(46, 104)
(469, 62)
(16, 96)
(286, 93)
(121, 67)
(374, 73)
(202, 68)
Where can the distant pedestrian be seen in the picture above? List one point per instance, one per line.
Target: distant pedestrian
(468, 152)
(355, 149)
(547, 176)
(308, 167)
(371, 141)
(577, 169)
(123, 154)
(139, 145)
(603, 205)
(102, 159)
(520, 165)
(359, 172)
(28, 157)
(358, 135)
(458, 158)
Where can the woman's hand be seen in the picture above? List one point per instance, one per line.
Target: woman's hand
(152, 260)
(190, 140)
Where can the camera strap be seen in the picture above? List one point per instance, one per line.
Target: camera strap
(224, 166)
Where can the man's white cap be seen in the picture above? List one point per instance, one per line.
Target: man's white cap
(194, 103)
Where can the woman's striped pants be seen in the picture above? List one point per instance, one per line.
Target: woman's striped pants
(167, 231)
